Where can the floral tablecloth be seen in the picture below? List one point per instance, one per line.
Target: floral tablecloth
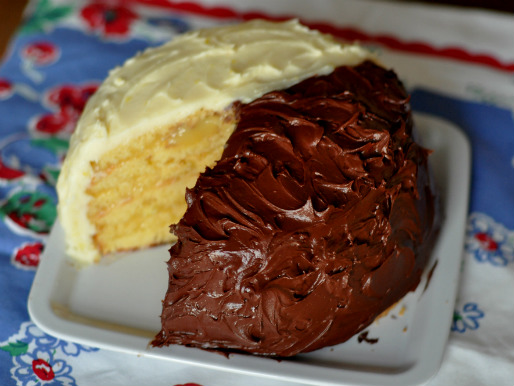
(458, 65)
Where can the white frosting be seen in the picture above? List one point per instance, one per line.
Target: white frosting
(209, 69)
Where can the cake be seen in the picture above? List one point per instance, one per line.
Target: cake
(161, 118)
(319, 216)
(284, 161)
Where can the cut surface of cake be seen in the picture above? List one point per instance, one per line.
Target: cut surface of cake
(319, 216)
(157, 121)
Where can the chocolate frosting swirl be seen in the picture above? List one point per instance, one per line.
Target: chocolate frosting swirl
(319, 216)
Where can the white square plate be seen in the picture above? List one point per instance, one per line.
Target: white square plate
(116, 304)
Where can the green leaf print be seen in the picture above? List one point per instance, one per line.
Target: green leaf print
(31, 210)
(15, 349)
(56, 145)
(44, 15)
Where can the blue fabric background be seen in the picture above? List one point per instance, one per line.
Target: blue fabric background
(491, 132)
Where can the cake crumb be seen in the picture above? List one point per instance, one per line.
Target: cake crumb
(363, 337)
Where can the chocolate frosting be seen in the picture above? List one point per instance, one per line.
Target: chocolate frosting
(319, 216)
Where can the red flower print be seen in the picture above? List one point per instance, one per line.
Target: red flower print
(31, 210)
(110, 19)
(8, 173)
(189, 384)
(6, 89)
(40, 53)
(69, 101)
(28, 255)
(71, 98)
(486, 241)
(43, 370)
(38, 361)
(55, 123)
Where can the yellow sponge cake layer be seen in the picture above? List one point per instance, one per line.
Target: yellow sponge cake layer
(161, 118)
(138, 190)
